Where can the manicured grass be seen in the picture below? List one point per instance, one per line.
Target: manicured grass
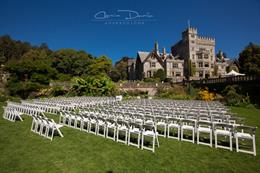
(23, 151)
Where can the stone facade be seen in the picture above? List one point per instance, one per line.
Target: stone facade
(193, 56)
(200, 51)
(148, 63)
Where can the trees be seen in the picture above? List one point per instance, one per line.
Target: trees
(31, 68)
(160, 74)
(101, 65)
(120, 69)
(192, 68)
(11, 49)
(249, 60)
(32, 72)
(93, 85)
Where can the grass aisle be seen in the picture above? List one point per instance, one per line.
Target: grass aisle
(23, 151)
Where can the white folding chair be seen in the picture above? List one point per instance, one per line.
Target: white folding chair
(204, 127)
(122, 128)
(225, 130)
(111, 127)
(85, 123)
(52, 128)
(149, 131)
(172, 125)
(245, 133)
(188, 126)
(92, 124)
(134, 129)
(101, 126)
(161, 126)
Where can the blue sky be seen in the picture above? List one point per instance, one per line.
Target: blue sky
(71, 24)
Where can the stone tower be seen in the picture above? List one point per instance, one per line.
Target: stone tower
(199, 50)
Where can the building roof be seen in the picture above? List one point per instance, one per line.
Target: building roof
(143, 55)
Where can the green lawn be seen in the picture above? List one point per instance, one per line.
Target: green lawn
(23, 151)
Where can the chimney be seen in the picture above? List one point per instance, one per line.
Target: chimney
(164, 51)
(156, 47)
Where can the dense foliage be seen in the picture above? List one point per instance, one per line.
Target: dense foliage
(160, 74)
(249, 60)
(234, 97)
(93, 85)
(120, 70)
(32, 68)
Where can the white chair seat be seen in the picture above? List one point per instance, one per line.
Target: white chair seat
(243, 135)
(135, 130)
(186, 127)
(122, 128)
(222, 132)
(72, 117)
(79, 118)
(110, 125)
(93, 121)
(101, 123)
(204, 129)
(174, 125)
(138, 120)
(149, 122)
(59, 125)
(149, 133)
(161, 123)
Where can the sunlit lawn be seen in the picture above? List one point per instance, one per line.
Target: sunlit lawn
(24, 151)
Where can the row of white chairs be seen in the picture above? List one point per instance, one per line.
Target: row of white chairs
(45, 108)
(28, 110)
(216, 126)
(11, 114)
(45, 127)
(112, 129)
(77, 102)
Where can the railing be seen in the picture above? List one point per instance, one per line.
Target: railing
(229, 80)
(142, 84)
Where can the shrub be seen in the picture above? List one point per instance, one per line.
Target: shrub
(176, 92)
(233, 96)
(152, 80)
(128, 94)
(93, 86)
(204, 94)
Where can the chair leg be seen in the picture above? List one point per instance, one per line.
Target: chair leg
(237, 144)
(138, 142)
(165, 131)
(153, 143)
(230, 140)
(210, 138)
(129, 135)
(126, 133)
(216, 140)
(193, 136)
(142, 145)
(157, 141)
(254, 146)
(198, 137)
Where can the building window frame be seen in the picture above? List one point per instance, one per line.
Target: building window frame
(152, 64)
(174, 65)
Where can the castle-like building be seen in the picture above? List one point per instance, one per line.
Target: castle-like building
(192, 57)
